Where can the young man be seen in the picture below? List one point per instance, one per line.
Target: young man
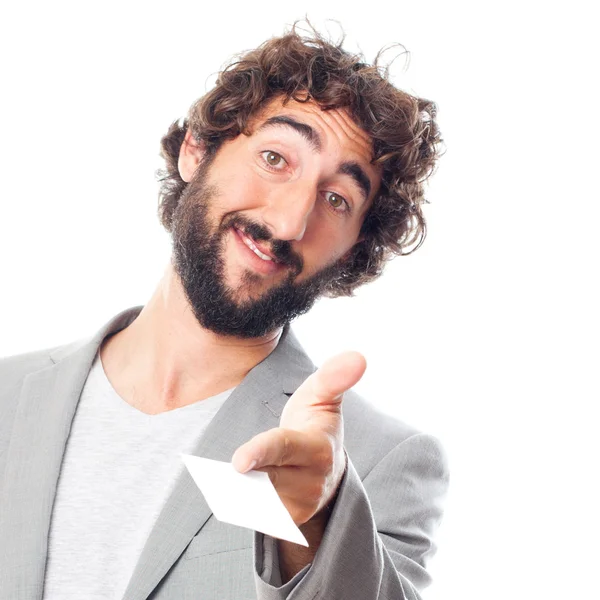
(298, 175)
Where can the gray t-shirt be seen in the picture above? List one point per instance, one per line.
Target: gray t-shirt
(118, 469)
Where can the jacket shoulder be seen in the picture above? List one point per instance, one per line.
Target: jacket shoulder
(369, 433)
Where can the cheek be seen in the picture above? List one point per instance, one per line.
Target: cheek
(239, 192)
(323, 246)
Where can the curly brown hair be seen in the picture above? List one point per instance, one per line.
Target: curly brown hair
(405, 136)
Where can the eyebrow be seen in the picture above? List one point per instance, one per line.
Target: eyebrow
(306, 131)
(354, 170)
(350, 168)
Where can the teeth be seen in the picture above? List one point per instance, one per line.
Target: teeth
(263, 256)
(254, 249)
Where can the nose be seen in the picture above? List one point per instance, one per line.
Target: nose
(287, 211)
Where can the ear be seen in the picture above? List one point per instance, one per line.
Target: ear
(190, 156)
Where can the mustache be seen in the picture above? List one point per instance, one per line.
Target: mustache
(281, 249)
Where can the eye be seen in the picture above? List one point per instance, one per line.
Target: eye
(273, 159)
(336, 202)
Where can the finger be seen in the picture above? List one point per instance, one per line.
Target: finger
(279, 447)
(302, 484)
(337, 375)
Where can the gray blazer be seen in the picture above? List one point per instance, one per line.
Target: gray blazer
(377, 542)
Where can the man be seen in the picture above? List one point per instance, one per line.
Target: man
(298, 175)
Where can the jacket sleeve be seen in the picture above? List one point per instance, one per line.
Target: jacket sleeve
(379, 536)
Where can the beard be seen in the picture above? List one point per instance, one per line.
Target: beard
(199, 261)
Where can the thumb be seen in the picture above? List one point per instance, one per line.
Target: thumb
(335, 376)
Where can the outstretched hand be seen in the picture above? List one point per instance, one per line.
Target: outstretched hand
(304, 456)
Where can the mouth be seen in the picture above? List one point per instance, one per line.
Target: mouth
(258, 249)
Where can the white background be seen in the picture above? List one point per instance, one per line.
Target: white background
(487, 336)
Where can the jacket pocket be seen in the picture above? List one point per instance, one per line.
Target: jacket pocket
(216, 537)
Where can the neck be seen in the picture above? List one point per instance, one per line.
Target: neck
(165, 359)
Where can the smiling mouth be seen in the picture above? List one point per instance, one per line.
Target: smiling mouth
(250, 243)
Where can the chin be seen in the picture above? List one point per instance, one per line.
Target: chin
(250, 288)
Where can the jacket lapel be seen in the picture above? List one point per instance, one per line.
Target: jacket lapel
(47, 405)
